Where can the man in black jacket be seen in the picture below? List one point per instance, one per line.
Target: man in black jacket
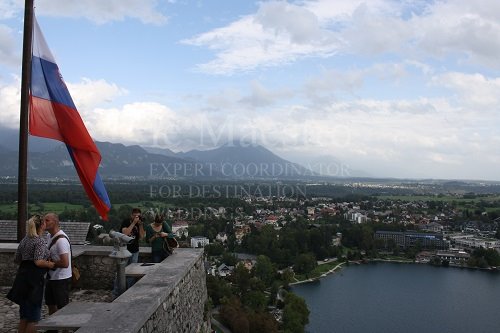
(133, 227)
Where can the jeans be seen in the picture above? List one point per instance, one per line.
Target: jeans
(158, 256)
(130, 280)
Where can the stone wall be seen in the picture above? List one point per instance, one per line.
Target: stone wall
(169, 298)
(8, 267)
(97, 269)
(182, 310)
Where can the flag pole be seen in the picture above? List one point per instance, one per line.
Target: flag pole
(22, 186)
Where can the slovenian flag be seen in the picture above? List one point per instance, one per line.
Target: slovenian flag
(53, 115)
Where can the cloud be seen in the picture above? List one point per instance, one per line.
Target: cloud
(9, 8)
(260, 96)
(268, 38)
(138, 122)
(280, 33)
(468, 28)
(331, 82)
(474, 92)
(9, 103)
(100, 12)
(89, 94)
(300, 24)
(9, 55)
(421, 137)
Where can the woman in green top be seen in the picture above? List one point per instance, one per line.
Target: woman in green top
(155, 234)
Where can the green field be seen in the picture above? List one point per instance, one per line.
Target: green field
(56, 207)
(451, 199)
(445, 198)
(59, 207)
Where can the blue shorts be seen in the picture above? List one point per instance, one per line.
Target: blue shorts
(30, 312)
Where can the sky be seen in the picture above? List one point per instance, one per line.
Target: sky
(404, 89)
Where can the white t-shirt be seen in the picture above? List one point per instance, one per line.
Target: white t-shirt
(61, 246)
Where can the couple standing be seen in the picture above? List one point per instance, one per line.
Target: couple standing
(38, 259)
(155, 233)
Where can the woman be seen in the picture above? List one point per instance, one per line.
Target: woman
(32, 254)
(155, 234)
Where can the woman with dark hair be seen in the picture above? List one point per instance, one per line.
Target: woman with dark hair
(32, 255)
(156, 234)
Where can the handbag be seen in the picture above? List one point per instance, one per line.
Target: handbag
(169, 244)
(75, 275)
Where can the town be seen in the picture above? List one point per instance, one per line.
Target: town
(258, 246)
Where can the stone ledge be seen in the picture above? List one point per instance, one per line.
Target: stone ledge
(78, 250)
(131, 310)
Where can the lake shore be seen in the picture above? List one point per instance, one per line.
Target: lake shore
(399, 261)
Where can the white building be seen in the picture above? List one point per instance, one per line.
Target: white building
(474, 242)
(356, 216)
(180, 228)
(199, 241)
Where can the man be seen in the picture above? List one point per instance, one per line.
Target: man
(133, 227)
(59, 278)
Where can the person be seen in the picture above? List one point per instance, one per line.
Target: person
(133, 227)
(155, 234)
(32, 254)
(58, 278)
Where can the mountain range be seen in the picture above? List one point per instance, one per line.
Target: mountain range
(234, 160)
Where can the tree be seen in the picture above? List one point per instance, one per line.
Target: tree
(305, 263)
(255, 300)
(264, 270)
(233, 316)
(492, 257)
(217, 289)
(287, 278)
(241, 277)
(295, 314)
(214, 249)
(262, 322)
(229, 259)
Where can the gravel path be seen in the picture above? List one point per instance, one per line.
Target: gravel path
(9, 312)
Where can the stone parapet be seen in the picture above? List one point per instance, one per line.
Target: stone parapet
(97, 269)
(170, 298)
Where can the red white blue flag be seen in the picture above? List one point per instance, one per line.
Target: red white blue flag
(54, 115)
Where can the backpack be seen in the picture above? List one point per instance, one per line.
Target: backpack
(75, 272)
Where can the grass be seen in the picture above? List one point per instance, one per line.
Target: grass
(142, 204)
(57, 207)
(318, 271)
(445, 198)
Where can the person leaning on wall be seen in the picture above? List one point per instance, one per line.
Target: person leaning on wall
(32, 255)
(156, 233)
(133, 227)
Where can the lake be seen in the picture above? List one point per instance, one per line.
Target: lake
(409, 298)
